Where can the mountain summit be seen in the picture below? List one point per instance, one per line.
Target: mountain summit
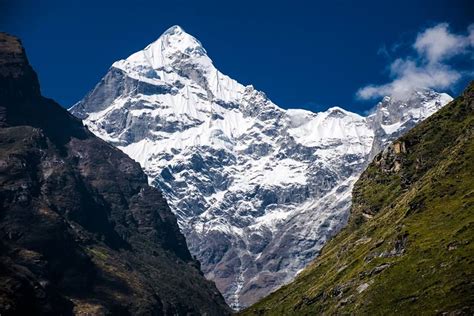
(174, 44)
(257, 189)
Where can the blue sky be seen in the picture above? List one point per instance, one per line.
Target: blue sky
(302, 54)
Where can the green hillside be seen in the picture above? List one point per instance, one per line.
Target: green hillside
(408, 248)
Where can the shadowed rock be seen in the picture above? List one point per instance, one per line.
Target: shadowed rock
(81, 231)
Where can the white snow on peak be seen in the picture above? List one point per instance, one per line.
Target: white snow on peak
(392, 113)
(315, 129)
(172, 45)
(177, 54)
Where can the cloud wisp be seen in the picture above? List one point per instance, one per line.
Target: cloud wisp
(429, 67)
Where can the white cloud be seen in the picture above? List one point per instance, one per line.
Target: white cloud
(437, 43)
(429, 68)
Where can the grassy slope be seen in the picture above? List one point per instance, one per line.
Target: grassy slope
(408, 248)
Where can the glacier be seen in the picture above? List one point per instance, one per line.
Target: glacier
(257, 189)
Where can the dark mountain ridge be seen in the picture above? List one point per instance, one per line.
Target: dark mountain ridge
(81, 232)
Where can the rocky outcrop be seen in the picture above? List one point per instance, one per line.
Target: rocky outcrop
(81, 232)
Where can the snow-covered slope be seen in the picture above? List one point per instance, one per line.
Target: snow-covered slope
(257, 189)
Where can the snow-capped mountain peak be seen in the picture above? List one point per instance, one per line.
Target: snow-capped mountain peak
(177, 55)
(172, 46)
(257, 189)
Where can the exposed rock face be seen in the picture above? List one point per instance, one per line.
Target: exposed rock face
(257, 189)
(81, 232)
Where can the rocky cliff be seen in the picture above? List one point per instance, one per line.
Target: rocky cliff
(81, 232)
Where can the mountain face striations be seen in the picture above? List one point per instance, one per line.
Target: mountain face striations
(409, 246)
(81, 231)
(257, 189)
